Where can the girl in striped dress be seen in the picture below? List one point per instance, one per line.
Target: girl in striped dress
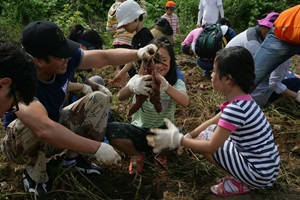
(131, 138)
(239, 138)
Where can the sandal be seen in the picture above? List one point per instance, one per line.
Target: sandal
(136, 164)
(220, 180)
(229, 187)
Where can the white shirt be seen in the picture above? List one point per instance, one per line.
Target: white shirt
(209, 11)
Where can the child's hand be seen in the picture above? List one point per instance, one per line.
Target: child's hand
(140, 84)
(165, 138)
(164, 85)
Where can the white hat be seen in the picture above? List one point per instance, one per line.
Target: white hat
(127, 12)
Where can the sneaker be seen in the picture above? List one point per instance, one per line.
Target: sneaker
(33, 187)
(83, 165)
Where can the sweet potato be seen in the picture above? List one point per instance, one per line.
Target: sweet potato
(149, 68)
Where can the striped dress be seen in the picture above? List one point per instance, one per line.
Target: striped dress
(249, 154)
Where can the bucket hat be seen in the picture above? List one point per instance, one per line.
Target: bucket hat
(127, 12)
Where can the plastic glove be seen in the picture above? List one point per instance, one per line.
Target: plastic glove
(164, 84)
(106, 154)
(165, 138)
(182, 149)
(146, 52)
(105, 90)
(140, 84)
(86, 89)
(298, 97)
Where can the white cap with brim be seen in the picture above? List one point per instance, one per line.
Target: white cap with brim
(127, 12)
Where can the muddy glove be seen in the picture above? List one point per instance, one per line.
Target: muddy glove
(106, 154)
(140, 84)
(298, 97)
(146, 52)
(164, 84)
(105, 90)
(165, 138)
(182, 149)
(86, 89)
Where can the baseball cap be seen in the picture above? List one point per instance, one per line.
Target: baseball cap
(170, 4)
(46, 38)
(127, 12)
(269, 20)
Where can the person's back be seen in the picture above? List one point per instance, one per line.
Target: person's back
(280, 44)
(162, 27)
(209, 11)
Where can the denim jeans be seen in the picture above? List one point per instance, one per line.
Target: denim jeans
(272, 53)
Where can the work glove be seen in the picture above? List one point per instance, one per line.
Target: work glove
(105, 90)
(182, 149)
(106, 154)
(298, 97)
(86, 89)
(164, 84)
(165, 138)
(146, 52)
(140, 84)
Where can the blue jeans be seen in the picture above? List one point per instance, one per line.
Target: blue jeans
(291, 83)
(205, 65)
(272, 53)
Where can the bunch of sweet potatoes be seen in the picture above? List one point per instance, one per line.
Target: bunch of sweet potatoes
(149, 68)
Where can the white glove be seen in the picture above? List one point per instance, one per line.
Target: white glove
(146, 52)
(140, 84)
(105, 90)
(165, 138)
(86, 89)
(107, 155)
(164, 85)
(182, 149)
(298, 97)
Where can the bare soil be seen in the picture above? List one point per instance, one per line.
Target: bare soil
(186, 177)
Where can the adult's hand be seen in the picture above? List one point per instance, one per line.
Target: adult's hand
(106, 154)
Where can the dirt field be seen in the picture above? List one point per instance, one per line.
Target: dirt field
(188, 176)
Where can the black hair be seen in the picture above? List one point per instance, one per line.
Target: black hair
(18, 65)
(163, 42)
(238, 62)
(141, 17)
(87, 37)
(224, 21)
(163, 22)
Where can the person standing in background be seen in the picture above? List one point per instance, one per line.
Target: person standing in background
(172, 18)
(122, 38)
(209, 12)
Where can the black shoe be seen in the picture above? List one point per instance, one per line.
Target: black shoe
(84, 166)
(33, 187)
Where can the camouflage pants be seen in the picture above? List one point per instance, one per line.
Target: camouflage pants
(86, 117)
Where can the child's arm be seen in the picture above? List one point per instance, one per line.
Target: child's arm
(204, 125)
(178, 96)
(122, 72)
